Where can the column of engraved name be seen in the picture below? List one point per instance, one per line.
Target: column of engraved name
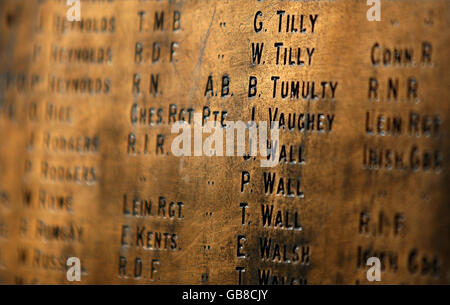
(282, 53)
(403, 129)
(152, 215)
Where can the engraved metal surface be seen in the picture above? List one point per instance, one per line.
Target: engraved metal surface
(87, 170)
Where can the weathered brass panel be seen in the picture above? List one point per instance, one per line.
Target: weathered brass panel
(366, 170)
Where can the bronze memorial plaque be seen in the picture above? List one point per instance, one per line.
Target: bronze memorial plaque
(224, 141)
